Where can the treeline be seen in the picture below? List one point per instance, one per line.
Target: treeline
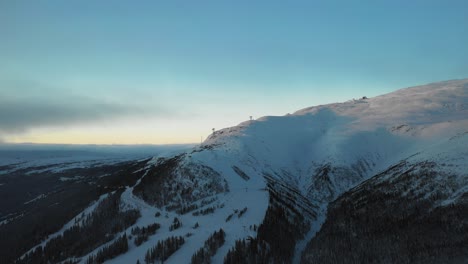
(242, 212)
(142, 234)
(204, 254)
(206, 211)
(111, 251)
(236, 211)
(161, 188)
(151, 187)
(276, 238)
(175, 224)
(163, 249)
(183, 209)
(250, 251)
(96, 229)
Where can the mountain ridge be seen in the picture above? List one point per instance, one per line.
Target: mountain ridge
(282, 172)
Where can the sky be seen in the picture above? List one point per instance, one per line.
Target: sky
(167, 72)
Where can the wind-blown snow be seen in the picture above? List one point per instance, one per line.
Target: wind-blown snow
(420, 107)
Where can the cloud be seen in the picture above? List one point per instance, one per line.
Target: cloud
(24, 109)
(20, 115)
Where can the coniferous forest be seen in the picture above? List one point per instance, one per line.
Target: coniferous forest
(204, 254)
(111, 251)
(163, 249)
(95, 229)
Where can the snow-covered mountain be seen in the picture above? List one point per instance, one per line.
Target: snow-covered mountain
(415, 211)
(267, 183)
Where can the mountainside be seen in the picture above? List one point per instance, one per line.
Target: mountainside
(259, 192)
(416, 211)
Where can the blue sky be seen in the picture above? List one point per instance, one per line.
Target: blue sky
(168, 71)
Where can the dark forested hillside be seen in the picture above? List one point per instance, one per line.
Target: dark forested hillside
(40, 200)
(160, 186)
(96, 229)
(400, 216)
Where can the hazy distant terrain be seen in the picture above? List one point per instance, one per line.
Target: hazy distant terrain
(59, 153)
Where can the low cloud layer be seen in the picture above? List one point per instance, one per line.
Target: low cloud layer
(22, 110)
(17, 116)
